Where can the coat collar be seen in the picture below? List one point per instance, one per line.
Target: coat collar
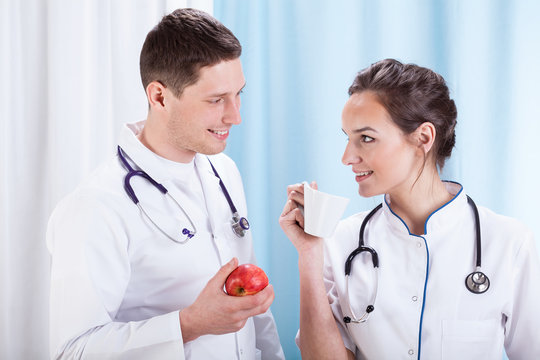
(145, 159)
(139, 154)
(438, 221)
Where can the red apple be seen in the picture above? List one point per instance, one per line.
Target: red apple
(246, 279)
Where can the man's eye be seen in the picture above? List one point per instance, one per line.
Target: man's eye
(216, 101)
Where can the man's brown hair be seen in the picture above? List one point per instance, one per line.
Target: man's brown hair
(183, 42)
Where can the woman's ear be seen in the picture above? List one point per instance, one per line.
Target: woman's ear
(155, 94)
(425, 136)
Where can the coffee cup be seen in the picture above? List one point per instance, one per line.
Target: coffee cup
(322, 211)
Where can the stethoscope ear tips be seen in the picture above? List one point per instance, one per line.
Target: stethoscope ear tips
(477, 282)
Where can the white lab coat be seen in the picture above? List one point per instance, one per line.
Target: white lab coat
(117, 283)
(422, 293)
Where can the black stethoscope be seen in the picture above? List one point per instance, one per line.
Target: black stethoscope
(476, 282)
(239, 224)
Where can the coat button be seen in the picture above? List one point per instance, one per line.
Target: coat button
(414, 298)
(411, 352)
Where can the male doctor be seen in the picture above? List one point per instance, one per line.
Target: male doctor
(146, 281)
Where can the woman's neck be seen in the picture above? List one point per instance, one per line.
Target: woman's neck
(414, 204)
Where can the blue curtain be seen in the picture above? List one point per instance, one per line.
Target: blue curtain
(301, 56)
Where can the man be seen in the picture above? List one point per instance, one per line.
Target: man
(138, 271)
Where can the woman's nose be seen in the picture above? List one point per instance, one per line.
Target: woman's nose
(350, 157)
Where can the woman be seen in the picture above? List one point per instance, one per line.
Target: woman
(417, 302)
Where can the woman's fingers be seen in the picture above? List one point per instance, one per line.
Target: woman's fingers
(299, 188)
(297, 197)
(289, 206)
(292, 215)
(299, 217)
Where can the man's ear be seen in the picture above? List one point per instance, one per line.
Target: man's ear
(425, 136)
(155, 92)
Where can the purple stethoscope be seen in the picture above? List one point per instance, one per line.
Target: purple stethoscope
(239, 224)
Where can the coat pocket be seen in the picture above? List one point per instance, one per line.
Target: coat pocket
(472, 339)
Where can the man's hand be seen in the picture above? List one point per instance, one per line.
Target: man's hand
(215, 312)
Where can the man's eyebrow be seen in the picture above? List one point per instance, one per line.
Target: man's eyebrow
(226, 93)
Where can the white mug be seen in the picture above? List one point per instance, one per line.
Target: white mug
(322, 211)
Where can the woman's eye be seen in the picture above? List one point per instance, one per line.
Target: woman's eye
(367, 139)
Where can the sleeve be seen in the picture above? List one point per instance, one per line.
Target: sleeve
(267, 340)
(90, 271)
(333, 296)
(523, 324)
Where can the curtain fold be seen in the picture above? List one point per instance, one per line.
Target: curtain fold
(70, 78)
(300, 58)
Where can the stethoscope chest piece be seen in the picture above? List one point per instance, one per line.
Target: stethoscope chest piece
(239, 225)
(477, 282)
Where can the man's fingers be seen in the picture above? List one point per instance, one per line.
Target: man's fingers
(258, 303)
(224, 271)
(267, 300)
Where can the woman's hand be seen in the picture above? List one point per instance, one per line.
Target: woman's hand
(319, 334)
(292, 220)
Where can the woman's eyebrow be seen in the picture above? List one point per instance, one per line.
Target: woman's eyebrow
(365, 128)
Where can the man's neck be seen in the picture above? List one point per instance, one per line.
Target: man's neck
(156, 138)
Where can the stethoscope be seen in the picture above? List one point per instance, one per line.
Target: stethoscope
(239, 224)
(476, 282)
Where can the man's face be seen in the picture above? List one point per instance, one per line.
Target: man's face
(200, 119)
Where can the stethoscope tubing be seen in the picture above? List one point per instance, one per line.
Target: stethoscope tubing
(131, 193)
(239, 224)
(476, 282)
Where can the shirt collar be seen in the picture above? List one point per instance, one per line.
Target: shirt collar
(439, 220)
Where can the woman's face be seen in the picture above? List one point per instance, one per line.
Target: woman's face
(383, 159)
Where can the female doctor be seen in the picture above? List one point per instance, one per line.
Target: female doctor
(429, 275)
